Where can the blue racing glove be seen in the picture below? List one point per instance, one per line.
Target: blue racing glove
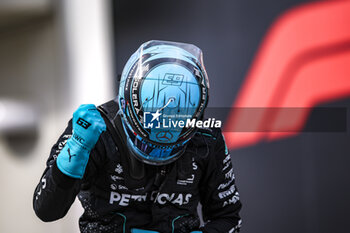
(88, 125)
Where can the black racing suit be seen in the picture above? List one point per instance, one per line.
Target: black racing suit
(165, 199)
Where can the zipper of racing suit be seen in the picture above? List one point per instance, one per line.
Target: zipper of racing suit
(124, 223)
(175, 219)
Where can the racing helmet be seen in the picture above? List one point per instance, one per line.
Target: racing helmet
(163, 90)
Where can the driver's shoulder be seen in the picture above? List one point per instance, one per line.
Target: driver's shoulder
(210, 134)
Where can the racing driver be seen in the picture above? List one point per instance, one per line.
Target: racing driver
(142, 162)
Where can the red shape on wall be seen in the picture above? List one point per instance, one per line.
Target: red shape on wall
(303, 61)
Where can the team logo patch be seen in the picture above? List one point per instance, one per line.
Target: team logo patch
(70, 155)
(164, 136)
(119, 169)
(83, 123)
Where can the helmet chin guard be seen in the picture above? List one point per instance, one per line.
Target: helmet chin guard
(163, 88)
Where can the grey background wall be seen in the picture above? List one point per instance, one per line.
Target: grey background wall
(41, 59)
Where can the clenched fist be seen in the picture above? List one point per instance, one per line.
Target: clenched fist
(87, 127)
